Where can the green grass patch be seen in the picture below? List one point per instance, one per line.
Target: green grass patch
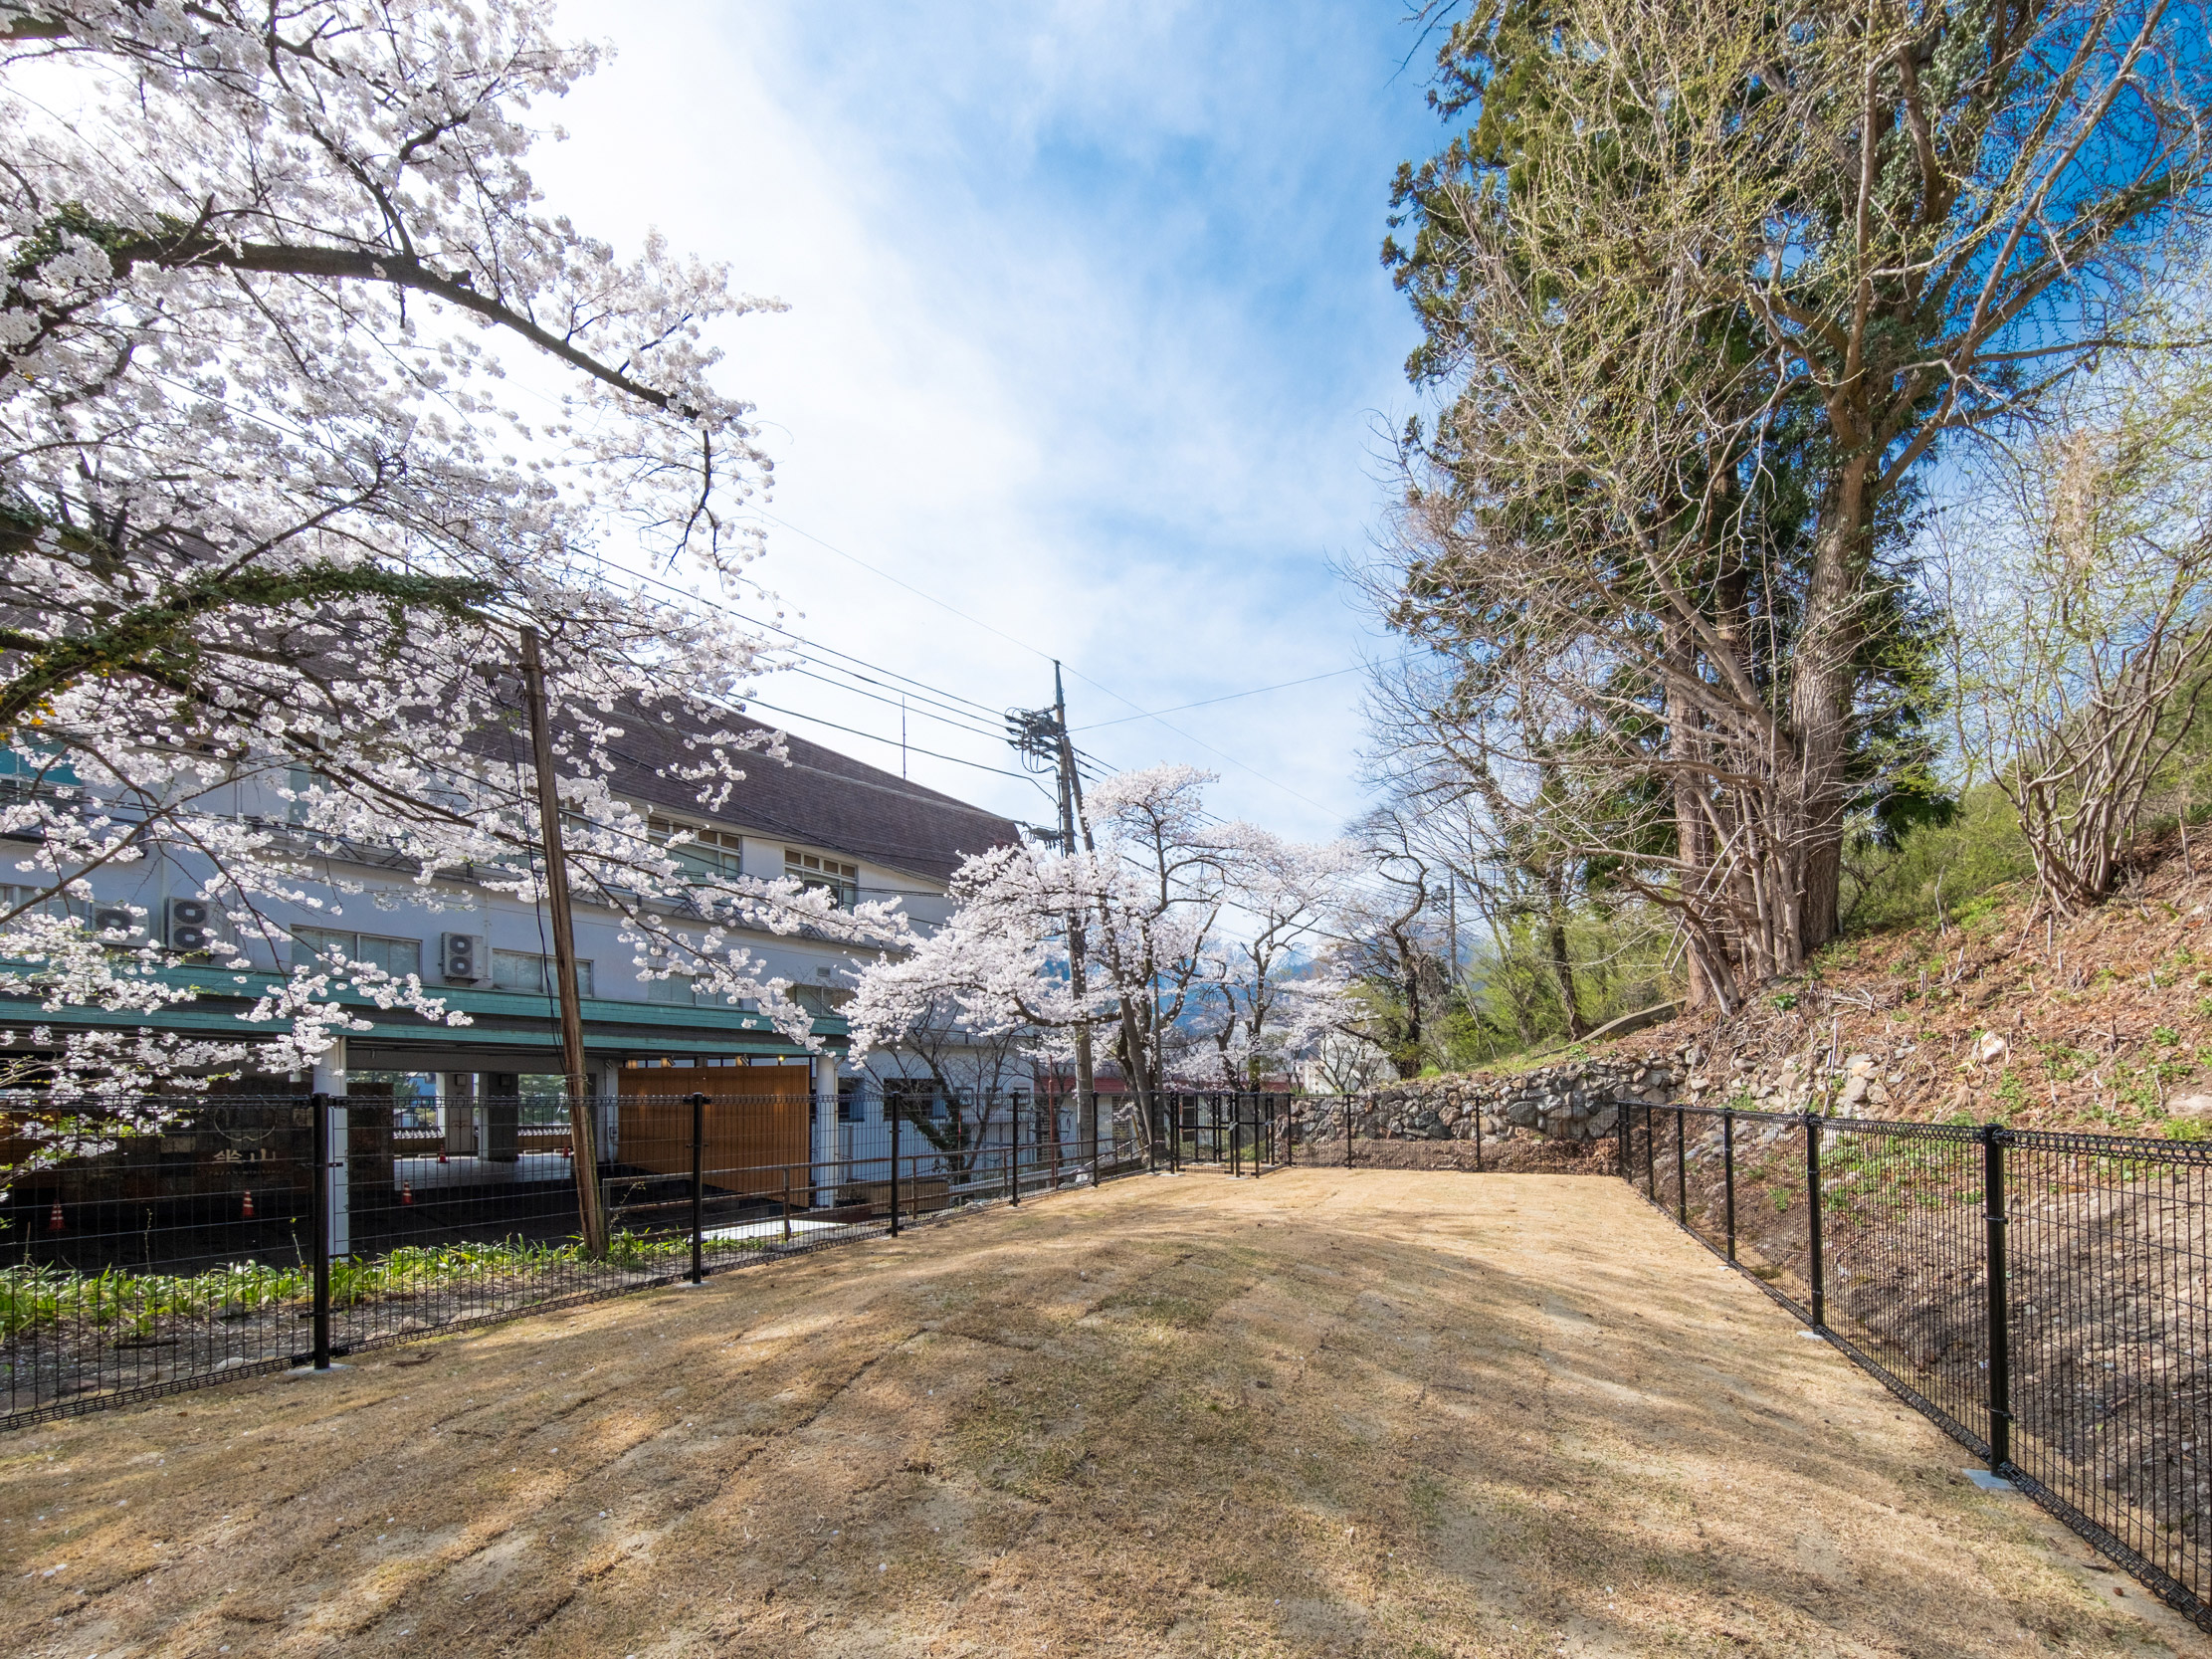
(37, 1295)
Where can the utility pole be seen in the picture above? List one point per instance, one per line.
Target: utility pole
(582, 1131)
(1040, 735)
(1071, 802)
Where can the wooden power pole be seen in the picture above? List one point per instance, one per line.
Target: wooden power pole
(582, 1130)
(1086, 1091)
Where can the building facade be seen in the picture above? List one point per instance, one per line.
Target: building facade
(478, 1090)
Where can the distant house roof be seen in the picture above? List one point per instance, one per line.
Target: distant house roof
(819, 797)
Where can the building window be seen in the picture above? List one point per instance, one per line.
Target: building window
(822, 1001)
(318, 947)
(673, 993)
(840, 880)
(522, 971)
(53, 903)
(300, 780)
(914, 1099)
(852, 1103)
(711, 854)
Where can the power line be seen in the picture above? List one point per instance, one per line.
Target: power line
(956, 721)
(1229, 697)
(755, 702)
(1139, 712)
(954, 610)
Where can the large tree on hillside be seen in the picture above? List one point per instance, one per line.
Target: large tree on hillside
(1701, 286)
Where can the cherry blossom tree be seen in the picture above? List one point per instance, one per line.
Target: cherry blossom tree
(311, 402)
(1181, 997)
(1286, 893)
(969, 1057)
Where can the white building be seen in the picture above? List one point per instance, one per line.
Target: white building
(831, 821)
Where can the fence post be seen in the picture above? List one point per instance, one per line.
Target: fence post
(1348, 1132)
(1478, 1136)
(2000, 1331)
(1728, 1165)
(1682, 1169)
(895, 1113)
(1620, 1136)
(1012, 1155)
(698, 1187)
(318, 1107)
(1812, 1222)
(1651, 1169)
(787, 1203)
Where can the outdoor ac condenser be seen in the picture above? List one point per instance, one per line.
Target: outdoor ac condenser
(113, 918)
(460, 959)
(189, 925)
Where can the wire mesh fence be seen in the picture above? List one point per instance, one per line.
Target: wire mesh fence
(236, 1241)
(2042, 1296)
(1238, 1132)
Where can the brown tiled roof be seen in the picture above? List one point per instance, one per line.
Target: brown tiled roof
(817, 797)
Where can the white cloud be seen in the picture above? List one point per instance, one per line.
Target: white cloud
(1086, 334)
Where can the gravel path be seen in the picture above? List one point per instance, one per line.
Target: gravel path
(1327, 1413)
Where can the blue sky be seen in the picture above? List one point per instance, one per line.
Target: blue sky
(1088, 339)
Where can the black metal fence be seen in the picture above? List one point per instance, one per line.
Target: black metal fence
(2043, 1297)
(256, 1234)
(1242, 1134)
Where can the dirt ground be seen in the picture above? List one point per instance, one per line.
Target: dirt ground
(1327, 1413)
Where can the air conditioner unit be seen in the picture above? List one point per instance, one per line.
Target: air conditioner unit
(460, 959)
(113, 918)
(189, 928)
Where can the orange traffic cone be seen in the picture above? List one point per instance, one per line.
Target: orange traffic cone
(407, 1193)
(246, 1214)
(54, 1221)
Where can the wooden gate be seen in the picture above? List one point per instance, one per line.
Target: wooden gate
(755, 1126)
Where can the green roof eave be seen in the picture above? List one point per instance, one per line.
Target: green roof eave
(496, 1017)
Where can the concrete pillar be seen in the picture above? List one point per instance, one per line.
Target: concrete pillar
(329, 1079)
(826, 1172)
(502, 1117)
(329, 1070)
(459, 1092)
(607, 1092)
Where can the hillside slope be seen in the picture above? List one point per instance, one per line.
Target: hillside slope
(2104, 1022)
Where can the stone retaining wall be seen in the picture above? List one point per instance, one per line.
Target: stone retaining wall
(1572, 1100)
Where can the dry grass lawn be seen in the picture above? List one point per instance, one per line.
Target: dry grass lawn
(1328, 1412)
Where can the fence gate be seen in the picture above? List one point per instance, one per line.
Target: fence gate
(1239, 1133)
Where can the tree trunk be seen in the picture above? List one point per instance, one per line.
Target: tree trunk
(1563, 961)
(1692, 831)
(1824, 678)
(1133, 1072)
